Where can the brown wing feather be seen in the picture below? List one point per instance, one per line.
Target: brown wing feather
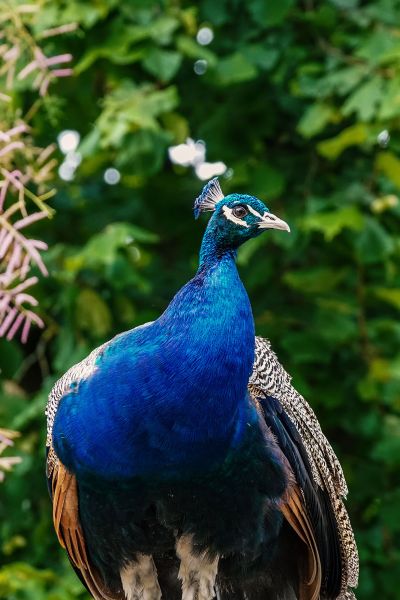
(69, 530)
(294, 510)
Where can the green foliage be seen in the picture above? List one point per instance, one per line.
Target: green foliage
(293, 100)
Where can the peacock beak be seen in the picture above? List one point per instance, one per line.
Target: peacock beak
(270, 221)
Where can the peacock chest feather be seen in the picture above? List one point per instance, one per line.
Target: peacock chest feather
(171, 396)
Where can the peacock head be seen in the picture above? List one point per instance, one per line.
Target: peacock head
(237, 217)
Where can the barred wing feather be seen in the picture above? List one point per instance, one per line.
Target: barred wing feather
(271, 381)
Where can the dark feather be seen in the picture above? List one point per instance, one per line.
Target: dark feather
(318, 507)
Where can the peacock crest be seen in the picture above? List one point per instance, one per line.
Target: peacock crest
(210, 195)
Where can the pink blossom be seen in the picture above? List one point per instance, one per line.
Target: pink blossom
(18, 252)
(60, 58)
(10, 147)
(59, 30)
(62, 72)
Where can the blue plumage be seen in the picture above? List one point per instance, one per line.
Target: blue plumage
(161, 388)
(160, 454)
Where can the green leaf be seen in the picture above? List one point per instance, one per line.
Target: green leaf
(315, 119)
(340, 82)
(266, 181)
(190, 48)
(162, 29)
(261, 56)
(389, 164)
(116, 46)
(352, 136)
(130, 107)
(388, 449)
(378, 45)
(92, 313)
(102, 249)
(143, 152)
(217, 13)
(177, 125)
(87, 14)
(390, 105)
(234, 69)
(163, 64)
(374, 244)
(389, 295)
(320, 280)
(366, 100)
(271, 12)
(332, 223)
(11, 358)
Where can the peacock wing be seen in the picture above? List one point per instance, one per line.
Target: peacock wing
(63, 485)
(77, 373)
(64, 493)
(313, 504)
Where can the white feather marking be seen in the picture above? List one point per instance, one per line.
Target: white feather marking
(228, 212)
(197, 571)
(254, 211)
(139, 579)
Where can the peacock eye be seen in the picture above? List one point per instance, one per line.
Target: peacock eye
(240, 211)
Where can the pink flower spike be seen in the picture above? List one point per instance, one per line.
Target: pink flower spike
(34, 254)
(15, 326)
(11, 146)
(56, 60)
(40, 57)
(3, 233)
(30, 67)
(25, 284)
(3, 193)
(15, 259)
(62, 72)
(21, 298)
(37, 216)
(46, 153)
(13, 178)
(44, 85)
(4, 302)
(5, 440)
(59, 30)
(39, 244)
(5, 245)
(25, 268)
(35, 318)
(27, 8)
(7, 321)
(18, 129)
(25, 331)
(5, 97)
(11, 54)
(38, 79)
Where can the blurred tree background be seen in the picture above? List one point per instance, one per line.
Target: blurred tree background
(299, 103)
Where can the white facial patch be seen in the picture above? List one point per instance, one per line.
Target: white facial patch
(254, 212)
(228, 212)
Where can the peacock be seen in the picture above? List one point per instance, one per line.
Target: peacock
(181, 461)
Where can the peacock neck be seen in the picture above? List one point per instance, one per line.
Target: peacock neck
(213, 249)
(210, 329)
